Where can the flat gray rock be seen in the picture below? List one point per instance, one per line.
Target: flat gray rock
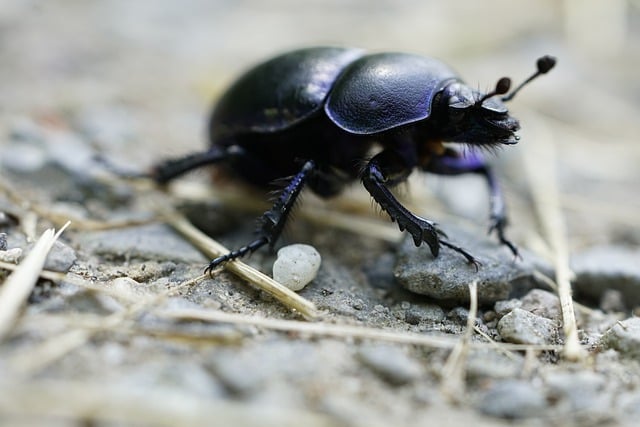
(624, 336)
(447, 277)
(150, 242)
(602, 268)
(513, 399)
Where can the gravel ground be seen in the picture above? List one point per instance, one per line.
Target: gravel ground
(118, 334)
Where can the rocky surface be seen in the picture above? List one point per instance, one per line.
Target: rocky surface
(117, 340)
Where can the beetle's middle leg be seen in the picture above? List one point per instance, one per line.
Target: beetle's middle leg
(455, 163)
(272, 222)
(388, 168)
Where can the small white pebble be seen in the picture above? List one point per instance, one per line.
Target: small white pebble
(296, 266)
(11, 255)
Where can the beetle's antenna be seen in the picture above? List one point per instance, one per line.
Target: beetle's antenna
(544, 64)
(502, 87)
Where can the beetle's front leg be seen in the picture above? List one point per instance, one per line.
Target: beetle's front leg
(388, 169)
(454, 163)
(272, 222)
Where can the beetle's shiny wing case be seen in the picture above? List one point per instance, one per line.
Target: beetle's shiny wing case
(280, 92)
(383, 91)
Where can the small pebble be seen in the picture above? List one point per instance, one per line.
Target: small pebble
(3, 241)
(61, 257)
(513, 399)
(580, 391)
(296, 266)
(612, 301)
(506, 306)
(523, 327)
(390, 363)
(624, 336)
(483, 364)
(412, 317)
(11, 256)
(542, 303)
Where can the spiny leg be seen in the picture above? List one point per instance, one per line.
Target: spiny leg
(388, 168)
(272, 222)
(454, 163)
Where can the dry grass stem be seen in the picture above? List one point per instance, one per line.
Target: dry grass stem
(337, 331)
(544, 186)
(20, 283)
(213, 249)
(453, 373)
(54, 276)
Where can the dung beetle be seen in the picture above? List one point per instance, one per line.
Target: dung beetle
(315, 116)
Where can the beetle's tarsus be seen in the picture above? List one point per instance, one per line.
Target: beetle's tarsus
(498, 224)
(470, 258)
(251, 247)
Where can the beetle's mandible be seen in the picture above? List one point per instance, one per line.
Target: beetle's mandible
(314, 115)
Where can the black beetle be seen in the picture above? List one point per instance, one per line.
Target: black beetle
(315, 114)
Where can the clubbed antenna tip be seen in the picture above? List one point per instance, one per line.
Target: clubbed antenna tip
(544, 65)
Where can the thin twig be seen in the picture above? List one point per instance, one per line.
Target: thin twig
(20, 283)
(453, 371)
(54, 276)
(213, 249)
(544, 186)
(334, 330)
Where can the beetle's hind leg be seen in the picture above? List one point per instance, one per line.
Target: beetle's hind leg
(272, 222)
(170, 169)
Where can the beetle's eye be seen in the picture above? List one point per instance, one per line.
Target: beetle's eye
(461, 98)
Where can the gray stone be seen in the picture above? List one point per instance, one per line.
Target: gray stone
(418, 313)
(624, 336)
(513, 399)
(580, 391)
(447, 277)
(506, 306)
(523, 327)
(629, 403)
(152, 242)
(11, 256)
(61, 257)
(612, 301)
(247, 371)
(483, 364)
(542, 303)
(391, 363)
(3, 241)
(608, 267)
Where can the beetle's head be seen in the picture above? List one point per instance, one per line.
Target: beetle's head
(483, 119)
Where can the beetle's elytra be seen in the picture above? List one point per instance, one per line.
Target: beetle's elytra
(316, 114)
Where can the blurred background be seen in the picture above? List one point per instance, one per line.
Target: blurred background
(135, 80)
(139, 77)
